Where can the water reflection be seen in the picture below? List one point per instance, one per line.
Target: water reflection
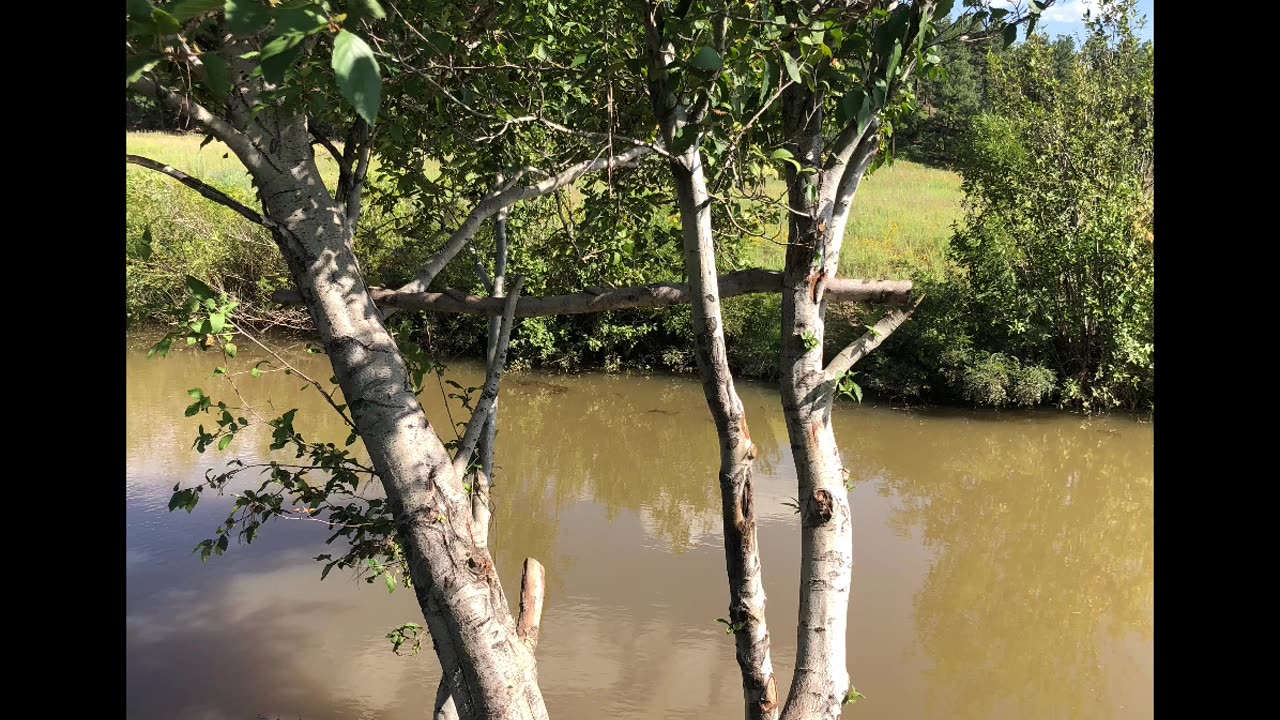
(999, 560)
(1043, 533)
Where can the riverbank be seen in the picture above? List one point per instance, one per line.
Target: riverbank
(901, 229)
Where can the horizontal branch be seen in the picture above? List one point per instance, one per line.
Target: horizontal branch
(199, 186)
(743, 282)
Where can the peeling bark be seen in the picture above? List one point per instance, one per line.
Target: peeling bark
(821, 678)
(737, 453)
(491, 672)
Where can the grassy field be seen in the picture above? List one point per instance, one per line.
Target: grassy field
(899, 227)
(212, 163)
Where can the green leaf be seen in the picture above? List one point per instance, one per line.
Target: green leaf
(707, 60)
(1010, 34)
(685, 138)
(942, 8)
(895, 56)
(139, 9)
(366, 8)
(304, 19)
(893, 29)
(217, 75)
(230, 349)
(275, 66)
(225, 441)
(793, 70)
(198, 289)
(358, 76)
(135, 65)
(143, 249)
(217, 322)
(166, 24)
(850, 105)
(390, 580)
(246, 17)
(161, 348)
(184, 10)
(864, 117)
(255, 372)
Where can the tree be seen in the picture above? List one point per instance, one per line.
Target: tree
(1056, 246)
(507, 97)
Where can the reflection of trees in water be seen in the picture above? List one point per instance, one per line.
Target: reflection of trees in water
(641, 446)
(1044, 558)
(1042, 530)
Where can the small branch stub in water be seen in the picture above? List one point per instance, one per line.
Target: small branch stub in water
(532, 591)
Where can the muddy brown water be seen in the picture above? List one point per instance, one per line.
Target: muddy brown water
(1003, 562)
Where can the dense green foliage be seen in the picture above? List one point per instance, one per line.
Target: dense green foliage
(1043, 295)
(1052, 294)
(1057, 246)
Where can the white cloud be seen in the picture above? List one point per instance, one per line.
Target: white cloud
(1070, 11)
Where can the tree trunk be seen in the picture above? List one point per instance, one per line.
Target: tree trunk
(742, 559)
(821, 678)
(491, 673)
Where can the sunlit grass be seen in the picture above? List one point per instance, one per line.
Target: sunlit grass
(899, 227)
(214, 163)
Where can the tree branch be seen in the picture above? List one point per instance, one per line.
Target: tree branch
(481, 273)
(355, 189)
(462, 458)
(742, 282)
(870, 340)
(508, 197)
(208, 191)
(532, 591)
(344, 167)
(239, 143)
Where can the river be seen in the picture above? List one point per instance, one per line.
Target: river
(1003, 561)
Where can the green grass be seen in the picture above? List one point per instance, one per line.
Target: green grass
(899, 228)
(214, 163)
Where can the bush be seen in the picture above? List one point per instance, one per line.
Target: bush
(998, 380)
(1056, 250)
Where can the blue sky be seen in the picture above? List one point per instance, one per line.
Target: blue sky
(1066, 17)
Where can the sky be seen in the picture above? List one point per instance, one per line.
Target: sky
(1066, 17)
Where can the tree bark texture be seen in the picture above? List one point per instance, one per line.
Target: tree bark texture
(491, 672)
